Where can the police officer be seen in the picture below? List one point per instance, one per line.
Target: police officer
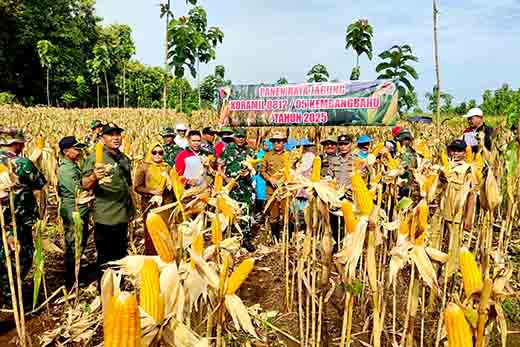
(329, 153)
(69, 189)
(230, 166)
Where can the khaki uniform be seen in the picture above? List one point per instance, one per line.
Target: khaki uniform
(273, 169)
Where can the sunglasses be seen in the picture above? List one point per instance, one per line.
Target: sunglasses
(277, 141)
(157, 152)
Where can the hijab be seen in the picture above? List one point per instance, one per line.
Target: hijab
(156, 173)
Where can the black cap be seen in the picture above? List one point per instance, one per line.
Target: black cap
(457, 145)
(344, 139)
(70, 142)
(109, 127)
(208, 131)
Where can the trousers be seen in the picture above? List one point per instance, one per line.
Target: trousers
(111, 244)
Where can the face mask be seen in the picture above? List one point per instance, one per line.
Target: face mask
(362, 154)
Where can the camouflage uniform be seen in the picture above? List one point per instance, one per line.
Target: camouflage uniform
(28, 178)
(89, 139)
(170, 153)
(207, 148)
(231, 159)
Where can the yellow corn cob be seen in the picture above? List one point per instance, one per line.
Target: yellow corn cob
(378, 149)
(254, 162)
(231, 184)
(216, 232)
(40, 142)
(398, 147)
(150, 298)
(428, 183)
(469, 155)
(479, 165)
(404, 228)
(362, 196)
(161, 237)
(391, 162)
(471, 275)
(350, 219)
(224, 208)
(423, 215)
(122, 328)
(445, 161)
(376, 179)
(218, 183)
(316, 169)
(286, 167)
(457, 327)
(99, 153)
(198, 244)
(239, 275)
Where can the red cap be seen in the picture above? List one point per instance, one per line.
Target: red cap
(396, 130)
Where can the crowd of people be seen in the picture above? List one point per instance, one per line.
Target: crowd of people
(102, 193)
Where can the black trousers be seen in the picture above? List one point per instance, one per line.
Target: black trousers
(111, 244)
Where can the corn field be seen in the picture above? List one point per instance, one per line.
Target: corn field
(429, 270)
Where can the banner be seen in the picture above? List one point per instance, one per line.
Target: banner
(341, 103)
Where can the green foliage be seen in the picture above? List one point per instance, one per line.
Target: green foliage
(511, 309)
(39, 260)
(359, 38)
(6, 98)
(191, 41)
(281, 81)
(46, 52)
(445, 98)
(211, 84)
(182, 97)
(398, 67)
(318, 73)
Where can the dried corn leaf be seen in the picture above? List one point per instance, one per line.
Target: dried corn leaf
(425, 267)
(239, 314)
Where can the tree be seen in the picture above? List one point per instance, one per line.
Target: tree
(46, 52)
(209, 87)
(281, 81)
(359, 38)
(398, 68)
(220, 71)
(102, 63)
(318, 73)
(445, 99)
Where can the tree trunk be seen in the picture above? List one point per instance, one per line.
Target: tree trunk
(437, 68)
(165, 89)
(48, 91)
(106, 86)
(97, 88)
(198, 81)
(124, 86)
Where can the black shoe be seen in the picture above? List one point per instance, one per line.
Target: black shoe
(275, 231)
(248, 246)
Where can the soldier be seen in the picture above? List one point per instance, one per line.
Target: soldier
(208, 136)
(69, 189)
(95, 133)
(408, 155)
(230, 166)
(113, 205)
(330, 147)
(272, 171)
(21, 178)
(171, 149)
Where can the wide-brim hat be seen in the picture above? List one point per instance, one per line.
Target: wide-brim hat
(109, 127)
(11, 135)
(278, 136)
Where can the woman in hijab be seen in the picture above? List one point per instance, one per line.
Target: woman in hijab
(153, 184)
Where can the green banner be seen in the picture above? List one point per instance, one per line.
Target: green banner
(329, 103)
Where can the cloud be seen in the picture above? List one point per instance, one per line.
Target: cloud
(266, 39)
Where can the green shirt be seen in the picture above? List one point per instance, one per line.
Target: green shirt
(113, 203)
(69, 185)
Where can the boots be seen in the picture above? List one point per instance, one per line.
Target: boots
(275, 231)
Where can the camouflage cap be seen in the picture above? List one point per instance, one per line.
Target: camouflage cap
(240, 132)
(225, 131)
(167, 131)
(96, 123)
(8, 136)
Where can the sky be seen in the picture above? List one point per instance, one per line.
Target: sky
(479, 41)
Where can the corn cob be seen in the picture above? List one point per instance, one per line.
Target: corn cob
(198, 244)
(40, 142)
(218, 183)
(471, 276)
(316, 169)
(479, 165)
(364, 198)
(216, 231)
(457, 327)
(224, 208)
(376, 179)
(469, 155)
(150, 298)
(350, 219)
(398, 147)
(99, 153)
(404, 228)
(391, 162)
(378, 149)
(239, 275)
(286, 167)
(123, 326)
(445, 162)
(231, 184)
(161, 237)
